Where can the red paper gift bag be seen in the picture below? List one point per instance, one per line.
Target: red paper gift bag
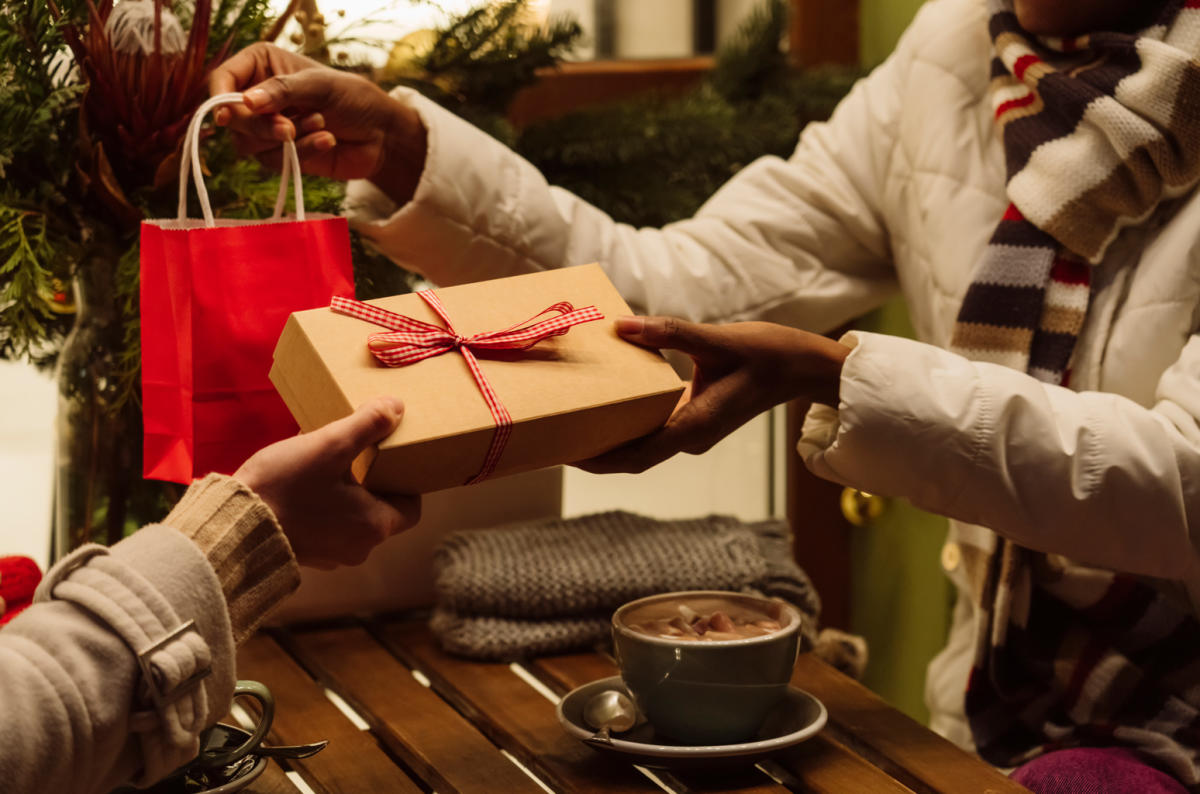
(215, 294)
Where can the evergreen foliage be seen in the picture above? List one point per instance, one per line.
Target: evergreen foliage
(646, 161)
(26, 253)
(656, 159)
(753, 63)
(649, 160)
(481, 59)
(50, 211)
(238, 23)
(38, 228)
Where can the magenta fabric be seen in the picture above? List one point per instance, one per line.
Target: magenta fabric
(1095, 770)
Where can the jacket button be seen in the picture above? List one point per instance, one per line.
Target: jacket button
(860, 508)
(951, 556)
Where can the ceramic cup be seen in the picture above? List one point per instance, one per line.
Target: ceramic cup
(223, 756)
(706, 692)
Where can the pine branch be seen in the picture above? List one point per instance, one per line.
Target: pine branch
(652, 160)
(128, 369)
(243, 188)
(482, 58)
(238, 22)
(753, 61)
(26, 321)
(376, 276)
(37, 108)
(38, 230)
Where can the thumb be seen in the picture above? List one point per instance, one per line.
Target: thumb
(307, 89)
(669, 333)
(340, 442)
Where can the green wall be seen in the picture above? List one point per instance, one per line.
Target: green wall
(880, 23)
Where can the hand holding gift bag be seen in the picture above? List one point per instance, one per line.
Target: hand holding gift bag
(215, 294)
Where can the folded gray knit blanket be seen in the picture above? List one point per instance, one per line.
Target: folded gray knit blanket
(551, 586)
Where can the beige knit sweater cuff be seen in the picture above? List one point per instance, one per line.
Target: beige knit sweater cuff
(244, 544)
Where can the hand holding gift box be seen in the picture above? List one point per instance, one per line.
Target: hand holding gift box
(576, 393)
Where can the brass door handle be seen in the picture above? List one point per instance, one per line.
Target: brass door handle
(861, 508)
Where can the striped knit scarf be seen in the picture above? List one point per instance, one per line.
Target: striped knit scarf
(1098, 130)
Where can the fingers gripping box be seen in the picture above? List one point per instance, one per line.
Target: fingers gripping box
(570, 396)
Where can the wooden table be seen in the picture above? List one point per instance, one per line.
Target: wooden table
(415, 719)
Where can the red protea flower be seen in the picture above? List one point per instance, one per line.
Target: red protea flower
(144, 80)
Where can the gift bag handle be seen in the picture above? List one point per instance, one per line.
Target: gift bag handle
(191, 150)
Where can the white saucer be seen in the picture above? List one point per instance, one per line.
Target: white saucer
(799, 717)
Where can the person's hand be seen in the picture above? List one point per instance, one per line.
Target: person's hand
(742, 369)
(330, 519)
(345, 126)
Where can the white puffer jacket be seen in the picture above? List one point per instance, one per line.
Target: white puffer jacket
(901, 189)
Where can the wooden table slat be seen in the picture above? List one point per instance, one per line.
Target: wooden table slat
(749, 780)
(515, 715)
(454, 738)
(441, 746)
(273, 780)
(825, 765)
(891, 740)
(819, 764)
(353, 763)
(564, 673)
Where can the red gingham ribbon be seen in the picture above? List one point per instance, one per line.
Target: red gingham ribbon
(409, 341)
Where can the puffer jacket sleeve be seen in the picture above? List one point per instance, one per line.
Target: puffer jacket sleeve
(1090, 475)
(800, 241)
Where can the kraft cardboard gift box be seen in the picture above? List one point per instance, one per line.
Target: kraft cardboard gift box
(570, 397)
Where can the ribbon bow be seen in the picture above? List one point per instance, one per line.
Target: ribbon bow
(409, 340)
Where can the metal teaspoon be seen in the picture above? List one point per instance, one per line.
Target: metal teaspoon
(609, 711)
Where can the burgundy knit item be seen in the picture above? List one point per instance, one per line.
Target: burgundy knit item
(1094, 770)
